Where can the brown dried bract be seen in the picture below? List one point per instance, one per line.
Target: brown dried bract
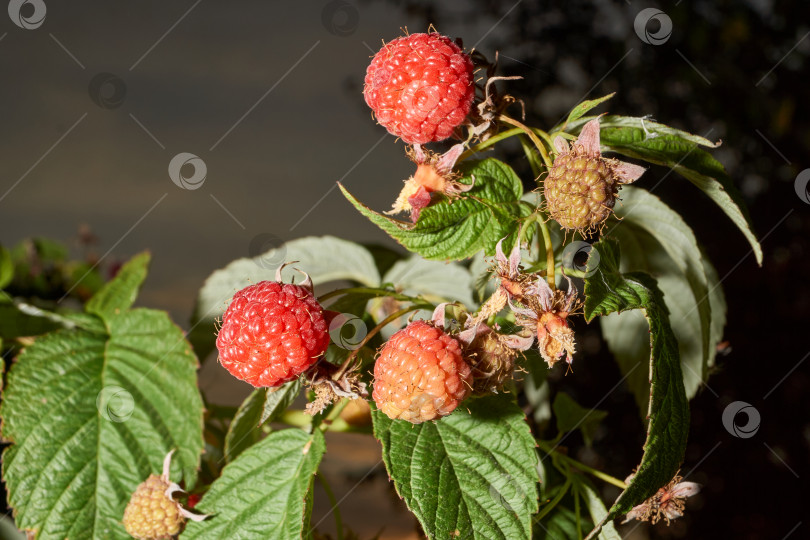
(668, 502)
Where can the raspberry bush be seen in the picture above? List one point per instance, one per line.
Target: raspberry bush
(441, 354)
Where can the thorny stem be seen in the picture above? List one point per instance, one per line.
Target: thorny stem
(373, 332)
(490, 142)
(333, 501)
(532, 135)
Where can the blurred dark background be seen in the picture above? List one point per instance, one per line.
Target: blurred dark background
(97, 100)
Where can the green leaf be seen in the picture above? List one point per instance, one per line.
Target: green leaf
(90, 415)
(243, 430)
(264, 492)
(656, 143)
(717, 300)
(653, 129)
(6, 267)
(571, 415)
(324, 258)
(559, 524)
(469, 475)
(435, 281)
(596, 508)
(262, 405)
(659, 242)
(15, 323)
(279, 399)
(608, 291)
(120, 293)
(536, 389)
(621, 332)
(580, 110)
(458, 229)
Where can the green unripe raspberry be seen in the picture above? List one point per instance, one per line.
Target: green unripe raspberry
(582, 186)
(580, 190)
(150, 514)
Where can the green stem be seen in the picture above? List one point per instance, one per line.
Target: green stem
(295, 418)
(525, 226)
(543, 445)
(527, 149)
(570, 272)
(334, 414)
(577, 511)
(301, 419)
(489, 142)
(333, 501)
(532, 135)
(598, 474)
(374, 291)
(553, 502)
(546, 136)
(550, 277)
(391, 318)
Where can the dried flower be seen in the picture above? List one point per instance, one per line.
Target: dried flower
(434, 173)
(667, 503)
(547, 314)
(542, 312)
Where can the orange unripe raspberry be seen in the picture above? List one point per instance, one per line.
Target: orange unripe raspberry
(420, 374)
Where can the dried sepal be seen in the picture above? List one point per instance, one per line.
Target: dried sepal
(328, 389)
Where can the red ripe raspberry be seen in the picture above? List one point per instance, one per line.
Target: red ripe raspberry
(420, 87)
(420, 374)
(271, 333)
